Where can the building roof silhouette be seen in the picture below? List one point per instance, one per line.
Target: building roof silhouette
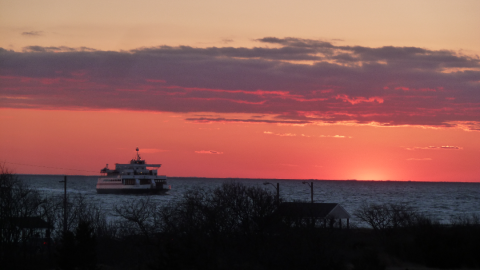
(313, 210)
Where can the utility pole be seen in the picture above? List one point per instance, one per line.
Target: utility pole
(278, 193)
(277, 188)
(311, 189)
(64, 203)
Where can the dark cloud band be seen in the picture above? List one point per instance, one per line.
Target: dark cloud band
(299, 80)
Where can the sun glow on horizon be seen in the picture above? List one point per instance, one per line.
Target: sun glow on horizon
(372, 176)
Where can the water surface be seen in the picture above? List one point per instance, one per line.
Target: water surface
(438, 200)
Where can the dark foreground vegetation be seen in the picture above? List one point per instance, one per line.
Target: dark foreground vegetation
(230, 227)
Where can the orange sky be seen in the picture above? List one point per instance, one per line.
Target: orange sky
(87, 140)
(123, 25)
(368, 90)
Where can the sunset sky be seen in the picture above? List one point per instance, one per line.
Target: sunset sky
(367, 90)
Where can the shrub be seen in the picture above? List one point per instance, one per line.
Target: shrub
(19, 205)
(77, 250)
(230, 208)
(389, 215)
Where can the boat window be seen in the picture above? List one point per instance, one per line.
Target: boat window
(129, 181)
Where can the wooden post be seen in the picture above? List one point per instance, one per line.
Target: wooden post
(64, 203)
(340, 223)
(348, 225)
(278, 193)
(311, 191)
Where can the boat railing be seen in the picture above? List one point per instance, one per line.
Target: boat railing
(131, 172)
(140, 176)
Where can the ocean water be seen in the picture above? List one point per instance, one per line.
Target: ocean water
(439, 200)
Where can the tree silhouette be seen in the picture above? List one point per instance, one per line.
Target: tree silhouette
(77, 251)
(66, 251)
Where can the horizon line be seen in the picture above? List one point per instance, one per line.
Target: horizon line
(263, 178)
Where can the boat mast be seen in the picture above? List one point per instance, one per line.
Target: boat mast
(138, 156)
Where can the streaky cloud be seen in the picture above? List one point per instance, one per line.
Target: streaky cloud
(280, 134)
(53, 49)
(226, 120)
(209, 152)
(303, 135)
(32, 33)
(445, 147)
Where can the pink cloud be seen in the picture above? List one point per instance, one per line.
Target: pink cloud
(280, 134)
(208, 152)
(357, 100)
(303, 135)
(333, 136)
(231, 120)
(445, 147)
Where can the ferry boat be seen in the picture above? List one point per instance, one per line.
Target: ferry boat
(133, 178)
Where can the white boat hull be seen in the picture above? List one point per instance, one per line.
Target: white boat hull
(115, 186)
(131, 191)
